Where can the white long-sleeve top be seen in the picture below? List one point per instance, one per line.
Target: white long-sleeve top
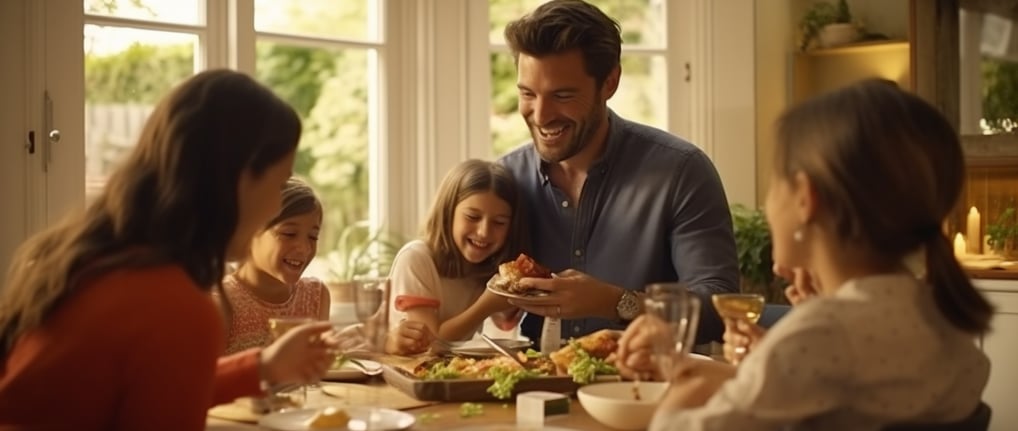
(876, 352)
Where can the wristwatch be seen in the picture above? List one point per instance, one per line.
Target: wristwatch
(628, 307)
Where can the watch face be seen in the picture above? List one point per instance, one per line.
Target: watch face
(627, 307)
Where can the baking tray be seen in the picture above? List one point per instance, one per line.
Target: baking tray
(462, 390)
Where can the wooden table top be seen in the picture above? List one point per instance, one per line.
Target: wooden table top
(444, 416)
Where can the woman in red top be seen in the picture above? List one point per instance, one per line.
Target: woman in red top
(106, 321)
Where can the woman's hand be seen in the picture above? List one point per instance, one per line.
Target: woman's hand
(740, 338)
(696, 380)
(635, 354)
(409, 338)
(302, 355)
(802, 285)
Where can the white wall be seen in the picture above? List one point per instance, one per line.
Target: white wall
(732, 98)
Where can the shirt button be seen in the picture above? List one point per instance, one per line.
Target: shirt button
(565, 204)
(576, 329)
(578, 252)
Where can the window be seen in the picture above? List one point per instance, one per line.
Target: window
(135, 51)
(642, 94)
(321, 56)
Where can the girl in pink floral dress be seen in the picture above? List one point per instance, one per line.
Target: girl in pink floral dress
(269, 282)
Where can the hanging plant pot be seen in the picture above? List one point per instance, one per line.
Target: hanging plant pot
(832, 35)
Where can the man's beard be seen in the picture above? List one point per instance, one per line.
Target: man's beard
(582, 132)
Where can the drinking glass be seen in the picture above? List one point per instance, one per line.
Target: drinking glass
(672, 313)
(289, 396)
(371, 305)
(739, 306)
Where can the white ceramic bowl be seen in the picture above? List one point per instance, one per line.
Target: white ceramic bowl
(613, 405)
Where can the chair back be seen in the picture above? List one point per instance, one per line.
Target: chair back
(979, 420)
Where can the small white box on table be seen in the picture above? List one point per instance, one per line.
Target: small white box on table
(533, 408)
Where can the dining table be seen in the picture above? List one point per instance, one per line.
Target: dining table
(429, 416)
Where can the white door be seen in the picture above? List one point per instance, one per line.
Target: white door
(43, 91)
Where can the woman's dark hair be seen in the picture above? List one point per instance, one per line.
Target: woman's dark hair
(172, 200)
(889, 168)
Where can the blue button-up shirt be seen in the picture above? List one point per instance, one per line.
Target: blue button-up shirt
(652, 209)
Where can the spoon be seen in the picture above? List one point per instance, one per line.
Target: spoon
(498, 348)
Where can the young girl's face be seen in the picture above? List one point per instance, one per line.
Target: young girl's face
(284, 250)
(480, 224)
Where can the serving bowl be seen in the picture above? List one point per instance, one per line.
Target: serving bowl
(615, 405)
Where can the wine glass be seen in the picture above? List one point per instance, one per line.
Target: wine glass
(739, 306)
(672, 314)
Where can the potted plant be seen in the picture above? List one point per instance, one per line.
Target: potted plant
(753, 245)
(361, 251)
(1003, 234)
(828, 23)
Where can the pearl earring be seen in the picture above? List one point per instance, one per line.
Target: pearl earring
(797, 235)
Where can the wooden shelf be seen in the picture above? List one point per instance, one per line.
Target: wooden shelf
(860, 48)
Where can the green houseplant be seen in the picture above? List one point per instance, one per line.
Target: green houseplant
(753, 244)
(1003, 233)
(363, 251)
(831, 23)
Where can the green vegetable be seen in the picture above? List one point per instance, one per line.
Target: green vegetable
(426, 418)
(584, 367)
(441, 371)
(505, 380)
(532, 354)
(471, 409)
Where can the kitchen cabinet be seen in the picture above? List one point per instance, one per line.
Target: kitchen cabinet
(1001, 345)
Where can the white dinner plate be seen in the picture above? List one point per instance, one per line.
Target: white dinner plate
(350, 372)
(296, 420)
(480, 348)
(530, 294)
(511, 427)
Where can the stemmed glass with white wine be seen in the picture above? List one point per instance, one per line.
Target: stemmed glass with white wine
(673, 314)
(739, 306)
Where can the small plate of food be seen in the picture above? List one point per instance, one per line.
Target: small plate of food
(338, 418)
(507, 281)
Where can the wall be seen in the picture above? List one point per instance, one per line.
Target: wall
(775, 44)
(13, 220)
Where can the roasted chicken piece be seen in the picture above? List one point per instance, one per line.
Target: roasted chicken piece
(510, 273)
(601, 344)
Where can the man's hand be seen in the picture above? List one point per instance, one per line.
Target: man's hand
(571, 294)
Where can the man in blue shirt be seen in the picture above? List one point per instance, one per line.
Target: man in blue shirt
(612, 205)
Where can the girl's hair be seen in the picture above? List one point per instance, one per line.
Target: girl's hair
(467, 178)
(173, 200)
(298, 199)
(889, 168)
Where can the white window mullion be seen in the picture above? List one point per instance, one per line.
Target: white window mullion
(214, 44)
(241, 35)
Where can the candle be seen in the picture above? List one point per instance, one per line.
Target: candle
(973, 231)
(959, 245)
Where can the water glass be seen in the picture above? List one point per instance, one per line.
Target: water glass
(371, 304)
(673, 314)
